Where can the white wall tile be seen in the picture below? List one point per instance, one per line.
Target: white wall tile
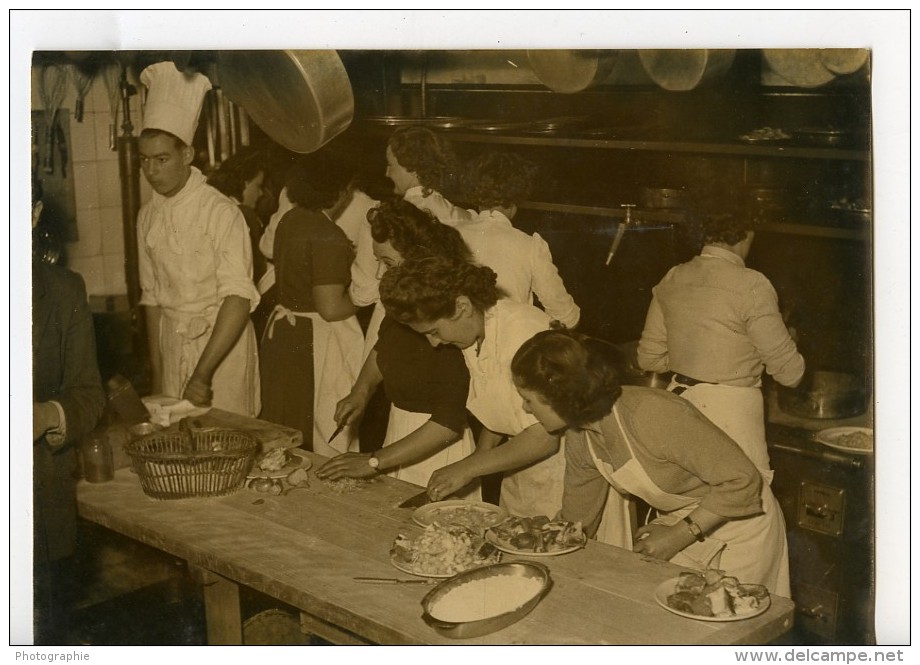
(115, 274)
(109, 184)
(89, 230)
(113, 232)
(86, 185)
(83, 139)
(93, 271)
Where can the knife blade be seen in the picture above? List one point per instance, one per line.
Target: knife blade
(393, 580)
(336, 432)
(416, 501)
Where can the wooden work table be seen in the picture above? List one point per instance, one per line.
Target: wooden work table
(305, 548)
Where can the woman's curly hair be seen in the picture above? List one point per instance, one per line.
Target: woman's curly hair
(717, 216)
(317, 180)
(429, 156)
(575, 374)
(414, 232)
(502, 179)
(230, 178)
(426, 289)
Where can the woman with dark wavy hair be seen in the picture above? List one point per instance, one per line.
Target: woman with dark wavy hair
(423, 166)
(427, 385)
(714, 507)
(497, 182)
(454, 302)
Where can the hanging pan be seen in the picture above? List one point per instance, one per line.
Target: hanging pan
(300, 99)
(570, 71)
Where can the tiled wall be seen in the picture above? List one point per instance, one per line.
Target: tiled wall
(99, 254)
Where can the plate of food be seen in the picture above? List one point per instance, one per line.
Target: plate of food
(765, 135)
(537, 536)
(712, 596)
(279, 463)
(477, 515)
(441, 551)
(850, 439)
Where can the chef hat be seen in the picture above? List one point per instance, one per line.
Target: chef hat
(174, 99)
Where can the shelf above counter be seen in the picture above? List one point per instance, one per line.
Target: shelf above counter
(781, 149)
(649, 219)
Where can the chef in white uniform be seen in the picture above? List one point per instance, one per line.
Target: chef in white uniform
(195, 259)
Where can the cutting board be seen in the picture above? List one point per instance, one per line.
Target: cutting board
(269, 435)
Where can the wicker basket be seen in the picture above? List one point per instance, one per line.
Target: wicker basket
(212, 463)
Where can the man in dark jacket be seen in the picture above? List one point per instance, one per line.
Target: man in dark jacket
(68, 400)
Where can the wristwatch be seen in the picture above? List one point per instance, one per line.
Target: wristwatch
(373, 462)
(695, 529)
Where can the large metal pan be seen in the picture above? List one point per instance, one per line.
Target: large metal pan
(301, 99)
(685, 69)
(570, 71)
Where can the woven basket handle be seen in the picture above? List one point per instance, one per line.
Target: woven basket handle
(188, 437)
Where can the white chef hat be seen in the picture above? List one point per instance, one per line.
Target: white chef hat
(174, 99)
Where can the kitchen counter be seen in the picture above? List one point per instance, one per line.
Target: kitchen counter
(305, 548)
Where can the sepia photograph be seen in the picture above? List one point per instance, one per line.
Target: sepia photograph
(461, 328)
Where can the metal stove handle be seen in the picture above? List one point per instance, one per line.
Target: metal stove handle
(822, 455)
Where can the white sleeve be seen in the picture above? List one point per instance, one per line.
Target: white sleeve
(549, 287)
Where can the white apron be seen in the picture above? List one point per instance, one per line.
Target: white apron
(337, 357)
(535, 489)
(403, 423)
(235, 384)
(739, 413)
(752, 549)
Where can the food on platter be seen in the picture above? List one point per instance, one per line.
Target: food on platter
(766, 134)
(346, 485)
(538, 535)
(442, 551)
(266, 486)
(714, 594)
(275, 459)
(476, 515)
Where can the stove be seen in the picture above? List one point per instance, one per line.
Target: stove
(827, 500)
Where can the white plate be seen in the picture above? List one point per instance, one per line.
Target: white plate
(399, 565)
(432, 512)
(666, 588)
(494, 540)
(829, 438)
(300, 461)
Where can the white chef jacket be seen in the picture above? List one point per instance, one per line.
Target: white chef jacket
(523, 263)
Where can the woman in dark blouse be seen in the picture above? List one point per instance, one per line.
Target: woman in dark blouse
(427, 385)
(312, 346)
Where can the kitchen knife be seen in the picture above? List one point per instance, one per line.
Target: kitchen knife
(393, 580)
(338, 430)
(416, 501)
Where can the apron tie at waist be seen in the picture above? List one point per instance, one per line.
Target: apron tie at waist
(686, 382)
(290, 316)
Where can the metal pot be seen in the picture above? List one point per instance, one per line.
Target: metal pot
(685, 69)
(569, 71)
(823, 394)
(633, 375)
(664, 198)
(301, 99)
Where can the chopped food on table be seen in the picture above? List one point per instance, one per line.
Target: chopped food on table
(443, 550)
(538, 534)
(714, 594)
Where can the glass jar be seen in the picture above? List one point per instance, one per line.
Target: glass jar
(98, 461)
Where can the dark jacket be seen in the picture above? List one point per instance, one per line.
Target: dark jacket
(64, 369)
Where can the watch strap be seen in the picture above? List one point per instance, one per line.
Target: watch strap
(695, 529)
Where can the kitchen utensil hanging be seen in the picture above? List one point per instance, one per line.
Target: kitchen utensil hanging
(52, 89)
(111, 76)
(82, 76)
(621, 231)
